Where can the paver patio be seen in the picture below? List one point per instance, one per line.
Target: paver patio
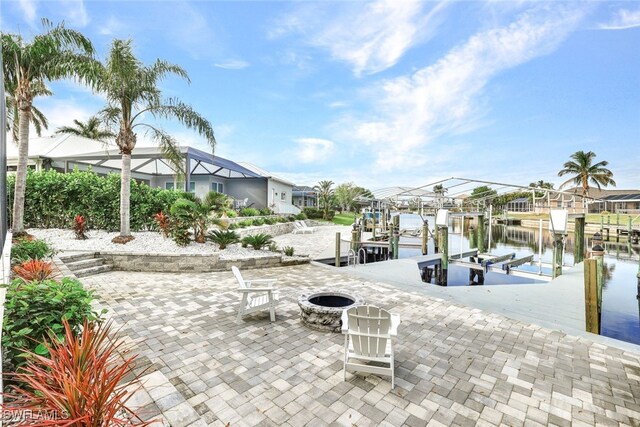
(454, 365)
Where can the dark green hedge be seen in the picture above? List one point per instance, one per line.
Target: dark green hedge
(53, 199)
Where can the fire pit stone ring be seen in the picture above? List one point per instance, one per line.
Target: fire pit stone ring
(322, 310)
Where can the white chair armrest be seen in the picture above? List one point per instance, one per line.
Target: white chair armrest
(395, 322)
(261, 281)
(345, 322)
(257, 289)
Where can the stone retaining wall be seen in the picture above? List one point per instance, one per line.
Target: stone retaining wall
(274, 229)
(197, 263)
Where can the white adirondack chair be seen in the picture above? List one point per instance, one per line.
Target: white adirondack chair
(301, 228)
(256, 298)
(368, 342)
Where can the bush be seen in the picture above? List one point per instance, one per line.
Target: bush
(313, 213)
(223, 238)
(231, 213)
(257, 241)
(80, 227)
(282, 219)
(26, 249)
(191, 214)
(245, 223)
(56, 198)
(83, 381)
(288, 250)
(163, 222)
(270, 221)
(34, 269)
(233, 226)
(301, 216)
(249, 212)
(266, 211)
(258, 221)
(34, 308)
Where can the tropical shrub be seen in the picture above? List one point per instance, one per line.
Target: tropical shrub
(282, 219)
(233, 226)
(273, 247)
(193, 214)
(34, 308)
(269, 221)
(257, 241)
(163, 222)
(26, 249)
(231, 213)
(218, 202)
(258, 221)
(80, 383)
(180, 233)
(266, 211)
(80, 227)
(34, 269)
(313, 213)
(223, 238)
(245, 223)
(288, 250)
(249, 212)
(55, 198)
(301, 216)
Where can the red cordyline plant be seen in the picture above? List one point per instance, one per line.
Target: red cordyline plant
(77, 385)
(164, 224)
(34, 269)
(80, 227)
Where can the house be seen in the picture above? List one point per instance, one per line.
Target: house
(305, 197)
(279, 190)
(203, 171)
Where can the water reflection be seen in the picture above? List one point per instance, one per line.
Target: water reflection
(620, 307)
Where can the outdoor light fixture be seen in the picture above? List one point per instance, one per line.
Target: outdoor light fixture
(558, 221)
(442, 218)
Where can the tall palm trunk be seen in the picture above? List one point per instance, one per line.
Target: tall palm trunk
(125, 195)
(21, 171)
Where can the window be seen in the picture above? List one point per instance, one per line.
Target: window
(169, 185)
(192, 186)
(283, 196)
(217, 187)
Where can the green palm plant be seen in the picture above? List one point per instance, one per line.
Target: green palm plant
(132, 92)
(257, 241)
(325, 196)
(55, 54)
(223, 238)
(584, 171)
(37, 118)
(91, 129)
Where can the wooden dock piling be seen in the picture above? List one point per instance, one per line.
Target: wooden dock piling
(481, 233)
(558, 246)
(338, 249)
(395, 238)
(593, 294)
(578, 245)
(443, 239)
(425, 237)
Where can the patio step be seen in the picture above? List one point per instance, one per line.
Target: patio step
(92, 270)
(77, 257)
(84, 263)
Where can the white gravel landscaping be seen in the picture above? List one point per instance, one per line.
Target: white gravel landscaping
(316, 245)
(144, 242)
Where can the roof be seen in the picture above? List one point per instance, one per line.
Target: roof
(264, 173)
(304, 189)
(628, 197)
(59, 146)
(519, 200)
(150, 160)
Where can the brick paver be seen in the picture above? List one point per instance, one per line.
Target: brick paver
(454, 365)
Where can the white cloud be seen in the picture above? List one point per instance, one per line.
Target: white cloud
(622, 20)
(113, 26)
(29, 9)
(369, 36)
(232, 64)
(75, 13)
(313, 150)
(444, 98)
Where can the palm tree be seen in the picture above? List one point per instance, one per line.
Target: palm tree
(37, 119)
(440, 191)
(325, 194)
(55, 54)
(91, 129)
(585, 172)
(132, 92)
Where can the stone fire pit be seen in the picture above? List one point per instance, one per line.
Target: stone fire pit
(322, 310)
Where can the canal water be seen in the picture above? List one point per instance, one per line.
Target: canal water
(620, 305)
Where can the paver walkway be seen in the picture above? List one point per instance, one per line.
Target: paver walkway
(454, 365)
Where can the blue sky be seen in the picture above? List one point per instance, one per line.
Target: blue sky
(382, 93)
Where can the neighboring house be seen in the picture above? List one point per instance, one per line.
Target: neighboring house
(279, 190)
(305, 197)
(204, 172)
